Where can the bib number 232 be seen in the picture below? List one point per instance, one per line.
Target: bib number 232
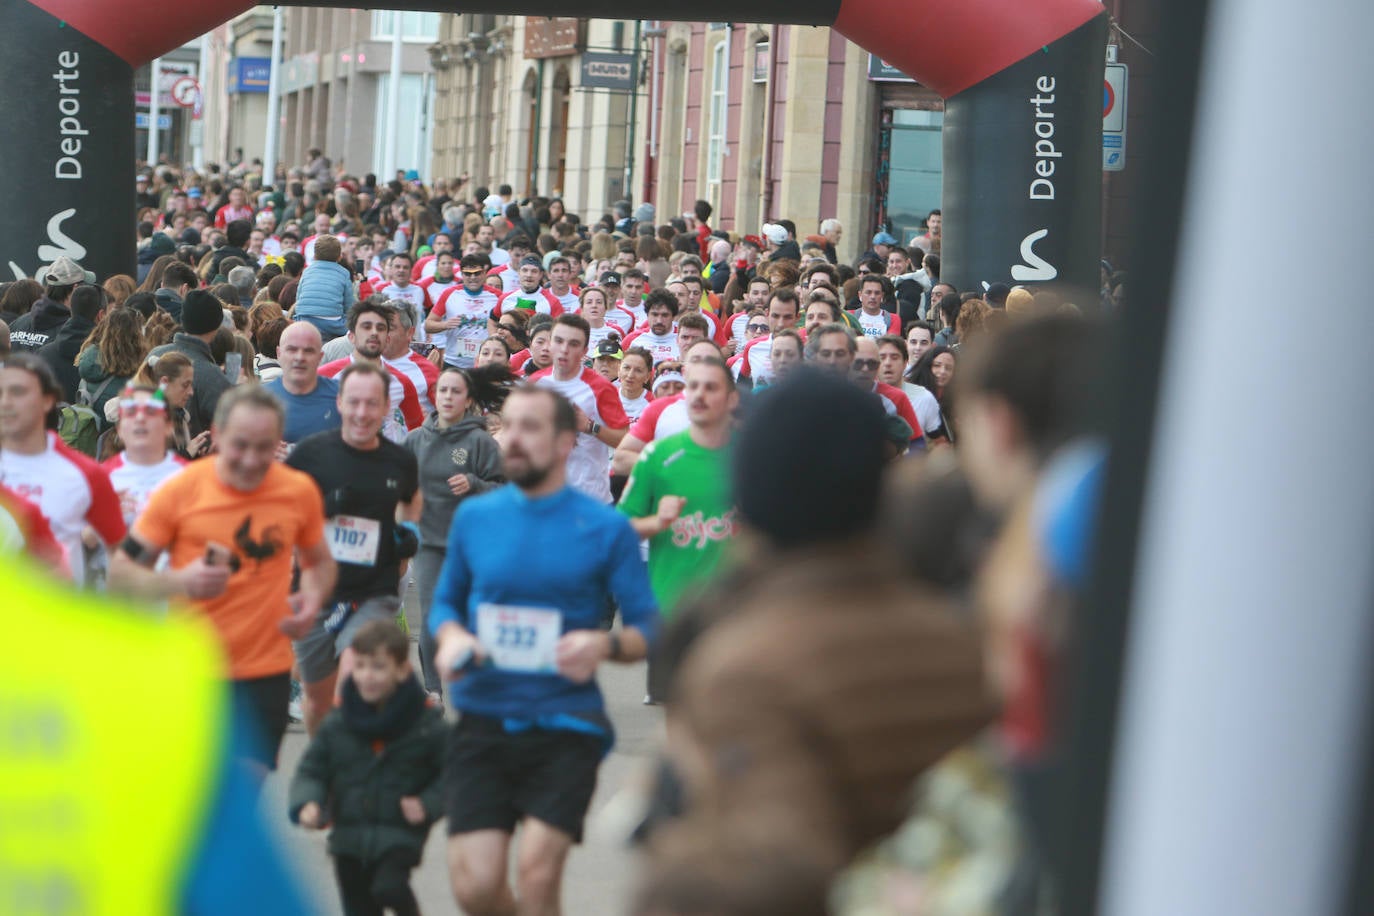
(520, 639)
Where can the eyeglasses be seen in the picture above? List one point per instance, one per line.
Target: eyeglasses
(132, 408)
(865, 364)
(758, 327)
(473, 273)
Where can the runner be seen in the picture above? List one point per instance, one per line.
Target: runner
(657, 336)
(528, 295)
(755, 362)
(524, 640)
(601, 421)
(400, 287)
(71, 489)
(592, 306)
(666, 414)
(401, 356)
(310, 399)
(144, 430)
(229, 525)
(457, 458)
(372, 503)
(369, 331)
(560, 284)
(678, 497)
(458, 323)
(636, 366)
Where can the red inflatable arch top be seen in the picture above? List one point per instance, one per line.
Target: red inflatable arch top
(1021, 78)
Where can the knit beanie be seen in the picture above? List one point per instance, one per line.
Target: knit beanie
(808, 460)
(201, 312)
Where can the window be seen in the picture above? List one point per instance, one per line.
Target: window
(414, 26)
(915, 159)
(715, 142)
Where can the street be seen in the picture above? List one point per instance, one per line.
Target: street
(600, 872)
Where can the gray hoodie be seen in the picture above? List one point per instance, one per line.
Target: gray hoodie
(463, 448)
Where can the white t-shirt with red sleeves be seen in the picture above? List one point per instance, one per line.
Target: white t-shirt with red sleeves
(661, 346)
(622, 320)
(737, 329)
(636, 311)
(71, 490)
(877, 325)
(663, 417)
(135, 483)
(897, 404)
(541, 301)
(415, 295)
(461, 344)
(406, 412)
(757, 359)
(410, 368)
(635, 407)
(507, 277)
(434, 289)
(600, 334)
(568, 300)
(589, 463)
(422, 268)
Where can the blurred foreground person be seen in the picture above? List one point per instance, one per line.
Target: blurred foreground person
(122, 811)
(824, 682)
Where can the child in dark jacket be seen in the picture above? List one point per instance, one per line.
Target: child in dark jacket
(375, 765)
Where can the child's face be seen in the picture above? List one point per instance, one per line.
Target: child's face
(377, 675)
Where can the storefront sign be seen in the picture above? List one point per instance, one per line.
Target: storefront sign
(608, 71)
(250, 74)
(880, 71)
(552, 36)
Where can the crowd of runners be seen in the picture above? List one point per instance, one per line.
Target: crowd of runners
(836, 502)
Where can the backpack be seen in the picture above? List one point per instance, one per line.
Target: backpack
(79, 427)
(84, 395)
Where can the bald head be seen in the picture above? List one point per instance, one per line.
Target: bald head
(720, 251)
(299, 351)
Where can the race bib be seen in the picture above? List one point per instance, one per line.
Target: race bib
(353, 540)
(520, 638)
(468, 347)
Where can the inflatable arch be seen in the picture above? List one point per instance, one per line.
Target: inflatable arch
(1022, 182)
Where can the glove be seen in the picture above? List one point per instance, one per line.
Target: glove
(407, 536)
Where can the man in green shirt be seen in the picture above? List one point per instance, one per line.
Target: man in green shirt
(678, 496)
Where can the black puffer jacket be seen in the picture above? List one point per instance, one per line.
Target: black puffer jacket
(33, 331)
(364, 761)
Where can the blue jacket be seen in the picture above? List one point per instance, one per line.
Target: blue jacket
(325, 291)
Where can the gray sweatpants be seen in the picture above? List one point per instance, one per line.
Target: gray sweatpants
(426, 564)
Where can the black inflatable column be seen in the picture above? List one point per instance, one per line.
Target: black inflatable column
(1023, 170)
(68, 112)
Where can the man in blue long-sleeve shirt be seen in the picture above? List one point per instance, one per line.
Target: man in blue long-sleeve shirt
(516, 616)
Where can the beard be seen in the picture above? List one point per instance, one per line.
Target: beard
(524, 473)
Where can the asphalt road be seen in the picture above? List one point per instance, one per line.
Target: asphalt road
(601, 872)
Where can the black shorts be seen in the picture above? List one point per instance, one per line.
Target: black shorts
(493, 778)
(264, 702)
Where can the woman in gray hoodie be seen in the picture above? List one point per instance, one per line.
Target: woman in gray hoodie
(457, 459)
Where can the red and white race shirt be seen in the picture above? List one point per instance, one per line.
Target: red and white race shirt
(308, 249)
(635, 407)
(736, 329)
(228, 213)
(415, 295)
(884, 322)
(622, 320)
(134, 483)
(422, 373)
(897, 404)
(663, 417)
(600, 334)
(422, 268)
(756, 361)
(660, 346)
(506, 277)
(568, 300)
(406, 413)
(435, 288)
(72, 491)
(589, 464)
(541, 301)
(460, 344)
(636, 311)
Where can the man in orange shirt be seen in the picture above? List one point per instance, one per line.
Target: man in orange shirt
(230, 525)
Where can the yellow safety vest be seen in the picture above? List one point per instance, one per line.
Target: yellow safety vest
(111, 726)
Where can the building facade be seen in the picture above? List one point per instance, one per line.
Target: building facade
(763, 121)
(335, 87)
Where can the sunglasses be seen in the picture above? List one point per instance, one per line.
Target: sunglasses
(757, 327)
(132, 408)
(864, 364)
(474, 273)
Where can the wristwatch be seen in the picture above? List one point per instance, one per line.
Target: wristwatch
(593, 427)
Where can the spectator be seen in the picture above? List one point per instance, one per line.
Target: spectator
(202, 319)
(111, 356)
(325, 292)
(87, 307)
